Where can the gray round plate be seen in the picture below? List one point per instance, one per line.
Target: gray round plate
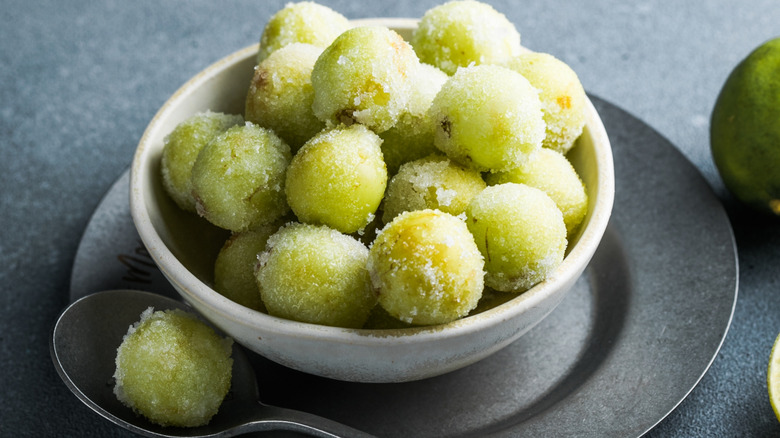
(627, 345)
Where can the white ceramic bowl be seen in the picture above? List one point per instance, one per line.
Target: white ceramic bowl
(185, 246)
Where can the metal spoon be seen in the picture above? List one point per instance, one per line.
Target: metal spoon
(83, 348)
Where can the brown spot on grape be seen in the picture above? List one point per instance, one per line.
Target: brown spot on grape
(487, 246)
(261, 78)
(564, 102)
(346, 116)
(446, 126)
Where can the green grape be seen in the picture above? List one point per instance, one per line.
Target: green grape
(551, 172)
(181, 148)
(412, 136)
(234, 269)
(173, 369)
(521, 233)
(364, 77)
(302, 22)
(563, 98)
(239, 178)
(338, 178)
(488, 117)
(314, 274)
(463, 33)
(426, 268)
(434, 182)
(280, 94)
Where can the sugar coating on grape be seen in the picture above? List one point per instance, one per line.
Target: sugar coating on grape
(173, 369)
(412, 136)
(302, 22)
(462, 33)
(551, 172)
(434, 182)
(181, 148)
(280, 94)
(488, 117)
(239, 177)
(562, 96)
(426, 268)
(234, 269)
(364, 77)
(314, 274)
(521, 233)
(338, 178)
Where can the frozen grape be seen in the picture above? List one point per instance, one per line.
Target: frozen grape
(315, 274)
(551, 172)
(434, 182)
(426, 268)
(562, 96)
(364, 77)
(462, 33)
(412, 136)
(488, 117)
(181, 148)
(173, 369)
(280, 94)
(521, 233)
(302, 22)
(234, 269)
(239, 178)
(338, 178)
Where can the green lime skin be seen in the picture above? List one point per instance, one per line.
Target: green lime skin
(745, 129)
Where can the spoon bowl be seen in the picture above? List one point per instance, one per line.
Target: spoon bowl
(83, 348)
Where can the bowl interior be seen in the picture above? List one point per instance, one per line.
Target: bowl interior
(185, 246)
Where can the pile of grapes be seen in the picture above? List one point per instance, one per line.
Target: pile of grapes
(378, 183)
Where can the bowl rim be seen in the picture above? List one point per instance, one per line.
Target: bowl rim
(194, 290)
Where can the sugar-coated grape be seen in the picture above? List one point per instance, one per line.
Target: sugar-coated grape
(312, 273)
(434, 182)
(521, 233)
(412, 136)
(181, 148)
(551, 172)
(338, 178)
(280, 94)
(302, 22)
(331, 113)
(234, 269)
(364, 77)
(488, 117)
(563, 98)
(173, 369)
(239, 178)
(426, 268)
(462, 33)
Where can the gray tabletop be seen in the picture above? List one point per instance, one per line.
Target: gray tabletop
(80, 80)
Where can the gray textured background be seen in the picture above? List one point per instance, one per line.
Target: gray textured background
(80, 80)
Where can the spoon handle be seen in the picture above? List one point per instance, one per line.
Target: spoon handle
(275, 418)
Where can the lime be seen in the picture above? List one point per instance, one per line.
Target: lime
(773, 377)
(745, 129)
